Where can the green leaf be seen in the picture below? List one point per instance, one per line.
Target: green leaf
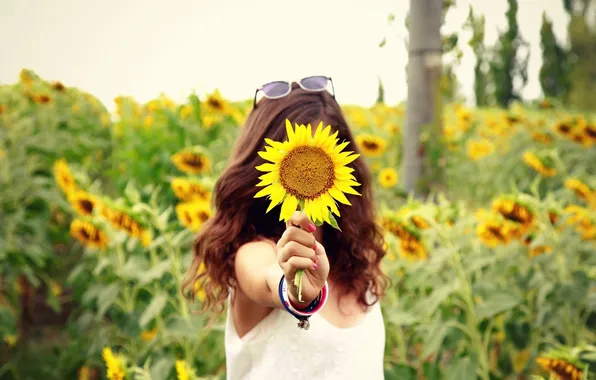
(431, 371)
(106, 297)
(427, 306)
(400, 372)
(497, 303)
(154, 273)
(402, 318)
(132, 193)
(433, 339)
(333, 221)
(155, 307)
(162, 368)
(461, 369)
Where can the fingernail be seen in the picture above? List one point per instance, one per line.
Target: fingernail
(315, 260)
(312, 227)
(315, 266)
(315, 247)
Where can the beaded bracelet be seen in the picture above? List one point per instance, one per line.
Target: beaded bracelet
(302, 314)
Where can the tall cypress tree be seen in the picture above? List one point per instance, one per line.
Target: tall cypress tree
(481, 80)
(582, 53)
(506, 66)
(554, 73)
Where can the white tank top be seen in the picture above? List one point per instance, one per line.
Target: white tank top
(277, 349)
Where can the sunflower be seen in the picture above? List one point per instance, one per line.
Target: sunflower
(199, 290)
(187, 189)
(88, 234)
(560, 368)
(388, 177)
(580, 189)
(193, 215)
(478, 149)
(590, 132)
(515, 212)
(83, 203)
(192, 161)
(309, 171)
(370, 145)
(63, 176)
(493, 232)
(564, 127)
(542, 137)
(215, 103)
(148, 335)
(412, 249)
(182, 370)
(123, 221)
(114, 364)
(535, 163)
(582, 220)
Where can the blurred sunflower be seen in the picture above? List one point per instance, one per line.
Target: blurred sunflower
(477, 149)
(123, 221)
(388, 177)
(561, 368)
(581, 218)
(492, 230)
(199, 290)
(532, 160)
(580, 189)
(215, 103)
(83, 202)
(114, 364)
(542, 137)
(590, 132)
(370, 145)
(193, 215)
(182, 370)
(192, 161)
(515, 212)
(564, 127)
(309, 169)
(412, 249)
(64, 177)
(188, 189)
(88, 234)
(148, 335)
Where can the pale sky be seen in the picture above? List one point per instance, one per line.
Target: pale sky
(145, 47)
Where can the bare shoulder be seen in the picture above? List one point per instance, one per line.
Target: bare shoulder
(256, 250)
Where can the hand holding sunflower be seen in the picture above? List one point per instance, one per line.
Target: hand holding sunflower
(307, 172)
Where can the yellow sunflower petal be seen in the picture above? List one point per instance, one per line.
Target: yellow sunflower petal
(288, 208)
(271, 155)
(346, 159)
(267, 167)
(330, 202)
(289, 130)
(275, 144)
(344, 187)
(265, 191)
(337, 194)
(277, 195)
(269, 177)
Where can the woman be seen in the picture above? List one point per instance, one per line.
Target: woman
(246, 251)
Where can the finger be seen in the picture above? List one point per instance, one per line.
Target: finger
(295, 263)
(294, 249)
(319, 249)
(300, 220)
(298, 235)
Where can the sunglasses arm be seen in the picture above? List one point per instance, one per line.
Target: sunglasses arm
(254, 102)
(332, 87)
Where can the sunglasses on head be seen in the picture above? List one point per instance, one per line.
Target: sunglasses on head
(279, 89)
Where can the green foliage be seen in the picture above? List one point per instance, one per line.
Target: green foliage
(582, 53)
(481, 77)
(506, 67)
(554, 73)
(459, 307)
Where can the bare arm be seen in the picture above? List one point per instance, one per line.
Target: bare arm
(259, 266)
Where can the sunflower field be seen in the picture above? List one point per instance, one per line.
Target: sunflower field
(495, 279)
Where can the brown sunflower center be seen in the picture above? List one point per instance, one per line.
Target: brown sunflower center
(194, 160)
(215, 103)
(203, 216)
(306, 172)
(371, 145)
(86, 205)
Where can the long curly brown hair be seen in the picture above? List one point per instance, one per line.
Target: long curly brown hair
(354, 254)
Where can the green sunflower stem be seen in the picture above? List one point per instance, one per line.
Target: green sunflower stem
(298, 283)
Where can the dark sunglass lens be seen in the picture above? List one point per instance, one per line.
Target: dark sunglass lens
(314, 83)
(275, 89)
